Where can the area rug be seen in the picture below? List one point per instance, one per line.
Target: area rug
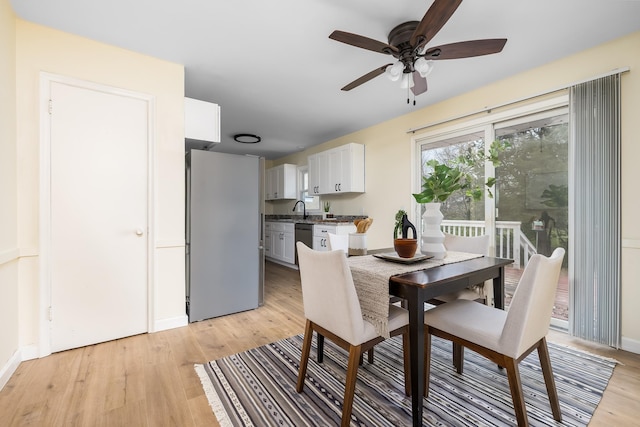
(257, 388)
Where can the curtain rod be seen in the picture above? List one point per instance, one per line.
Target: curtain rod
(526, 98)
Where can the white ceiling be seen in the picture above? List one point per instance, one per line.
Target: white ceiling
(273, 70)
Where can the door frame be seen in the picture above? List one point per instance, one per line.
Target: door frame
(46, 80)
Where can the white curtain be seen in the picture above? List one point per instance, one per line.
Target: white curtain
(596, 240)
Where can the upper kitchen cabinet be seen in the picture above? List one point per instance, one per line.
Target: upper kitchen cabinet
(339, 170)
(318, 173)
(280, 182)
(201, 121)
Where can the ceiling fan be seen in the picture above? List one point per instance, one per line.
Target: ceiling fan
(407, 43)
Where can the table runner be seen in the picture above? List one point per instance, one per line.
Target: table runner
(371, 279)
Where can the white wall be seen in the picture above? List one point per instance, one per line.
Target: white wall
(40, 49)
(389, 151)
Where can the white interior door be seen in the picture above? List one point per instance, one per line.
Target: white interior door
(98, 165)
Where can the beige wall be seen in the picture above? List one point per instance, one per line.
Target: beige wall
(9, 340)
(389, 154)
(44, 49)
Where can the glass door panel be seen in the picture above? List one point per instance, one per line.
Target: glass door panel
(532, 196)
(458, 207)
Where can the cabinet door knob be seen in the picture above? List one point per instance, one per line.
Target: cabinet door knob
(139, 232)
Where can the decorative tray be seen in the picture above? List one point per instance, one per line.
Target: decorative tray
(393, 257)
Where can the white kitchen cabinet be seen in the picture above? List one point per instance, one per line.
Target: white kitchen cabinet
(201, 121)
(321, 231)
(281, 243)
(280, 182)
(339, 170)
(267, 239)
(346, 169)
(318, 173)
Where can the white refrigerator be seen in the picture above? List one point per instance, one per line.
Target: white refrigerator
(224, 234)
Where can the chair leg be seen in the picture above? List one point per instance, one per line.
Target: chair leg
(427, 361)
(545, 363)
(350, 385)
(369, 357)
(304, 357)
(458, 357)
(515, 384)
(320, 348)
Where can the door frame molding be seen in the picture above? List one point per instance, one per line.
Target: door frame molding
(46, 80)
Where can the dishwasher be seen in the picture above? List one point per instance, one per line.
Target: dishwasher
(304, 234)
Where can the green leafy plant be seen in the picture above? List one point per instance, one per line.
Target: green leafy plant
(444, 180)
(327, 206)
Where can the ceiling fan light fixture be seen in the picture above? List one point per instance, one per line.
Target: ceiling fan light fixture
(407, 81)
(394, 72)
(423, 66)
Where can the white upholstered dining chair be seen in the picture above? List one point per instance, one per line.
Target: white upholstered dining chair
(332, 309)
(472, 244)
(337, 242)
(505, 337)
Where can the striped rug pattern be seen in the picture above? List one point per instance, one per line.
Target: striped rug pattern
(257, 388)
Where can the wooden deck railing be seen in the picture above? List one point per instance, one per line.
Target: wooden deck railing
(510, 241)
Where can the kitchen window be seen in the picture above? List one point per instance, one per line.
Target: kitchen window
(312, 203)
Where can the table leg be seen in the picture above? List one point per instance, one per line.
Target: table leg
(416, 357)
(498, 289)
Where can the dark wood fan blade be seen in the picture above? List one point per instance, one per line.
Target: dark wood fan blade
(362, 42)
(419, 84)
(432, 21)
(357, 82)
(466, 49)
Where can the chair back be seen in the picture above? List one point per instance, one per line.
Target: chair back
(470, 244)
(338, 242)
(328, 295)
(530, 311)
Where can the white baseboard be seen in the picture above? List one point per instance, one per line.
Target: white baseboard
(29, 352)
(631, 345)
(174, 322)
(9, 368)
(560, 325)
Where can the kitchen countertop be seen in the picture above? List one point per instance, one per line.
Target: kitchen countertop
(337, 221)
(306, 221)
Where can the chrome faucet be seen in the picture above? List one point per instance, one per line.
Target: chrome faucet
(304, 209)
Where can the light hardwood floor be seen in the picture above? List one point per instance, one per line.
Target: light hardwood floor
(149, 380)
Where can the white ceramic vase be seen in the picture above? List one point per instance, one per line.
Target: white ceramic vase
(432, 241)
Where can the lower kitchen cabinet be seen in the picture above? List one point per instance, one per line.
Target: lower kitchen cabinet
(279, 241)
(321, 231)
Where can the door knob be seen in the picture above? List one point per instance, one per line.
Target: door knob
(139, 232)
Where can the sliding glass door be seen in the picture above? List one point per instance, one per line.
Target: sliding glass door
(529, 211)
(532, 194)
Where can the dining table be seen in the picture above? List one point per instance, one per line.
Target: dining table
(376, 279)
